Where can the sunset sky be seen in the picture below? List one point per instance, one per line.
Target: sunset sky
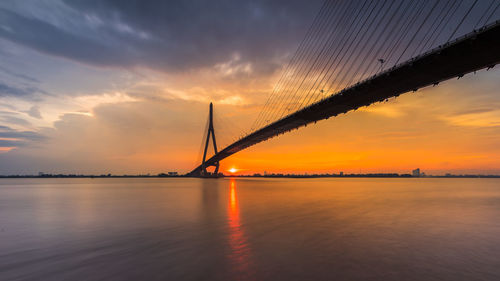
(124, 86)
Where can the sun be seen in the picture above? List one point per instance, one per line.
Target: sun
(232, 170)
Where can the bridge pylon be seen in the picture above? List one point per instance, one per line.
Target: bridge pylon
(210, 134)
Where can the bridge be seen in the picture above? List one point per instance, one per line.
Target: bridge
(473, 51)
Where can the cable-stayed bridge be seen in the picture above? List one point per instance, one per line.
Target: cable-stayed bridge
(356, 53)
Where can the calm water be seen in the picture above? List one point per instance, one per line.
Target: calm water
(250, 229)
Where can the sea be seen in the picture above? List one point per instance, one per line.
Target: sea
(250, 229)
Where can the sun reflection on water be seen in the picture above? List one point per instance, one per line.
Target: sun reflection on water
(239, 246)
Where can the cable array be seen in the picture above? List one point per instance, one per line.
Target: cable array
(350, 41)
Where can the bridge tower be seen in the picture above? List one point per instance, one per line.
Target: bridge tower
(211, 132)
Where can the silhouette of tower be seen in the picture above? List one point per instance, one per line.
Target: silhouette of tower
(211, 132)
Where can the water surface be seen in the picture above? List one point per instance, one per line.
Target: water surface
(250, 229)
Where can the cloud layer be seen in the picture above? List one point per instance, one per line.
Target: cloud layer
(164, 35)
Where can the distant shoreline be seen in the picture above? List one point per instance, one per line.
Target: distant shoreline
(254, 176)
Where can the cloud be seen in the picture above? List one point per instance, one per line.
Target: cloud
(92, 101)
(233, 100)
(234, 67)
(118, 137)
(49, 39)
(9, 133)
(6, 90)
(482, 109)
(35, 112)
(489, 118)
(18, 75)
(8, 107)
(391, 110)
(11, 139)
(11, 143)
(21, 92)
(12, 120)
(163, 35)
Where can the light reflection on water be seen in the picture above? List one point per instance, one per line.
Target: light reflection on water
(249, 229)
(240, 249)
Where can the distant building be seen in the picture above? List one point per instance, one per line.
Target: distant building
(416, 172)
(341, 173)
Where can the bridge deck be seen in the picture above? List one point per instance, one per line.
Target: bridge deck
(474, 51)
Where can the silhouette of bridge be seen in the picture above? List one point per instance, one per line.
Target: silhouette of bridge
(299, 97)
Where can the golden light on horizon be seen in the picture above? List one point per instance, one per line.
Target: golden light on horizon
(233, 170)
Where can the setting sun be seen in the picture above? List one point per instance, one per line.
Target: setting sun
(232, 170)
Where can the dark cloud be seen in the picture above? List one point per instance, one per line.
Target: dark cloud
(14, 120)
(19, 75)
(53, 40)
(9, 133)
(11, 143)
(6, 90)
(25, 92)
(169, 35)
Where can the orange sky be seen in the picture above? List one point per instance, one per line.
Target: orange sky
(450, 128)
